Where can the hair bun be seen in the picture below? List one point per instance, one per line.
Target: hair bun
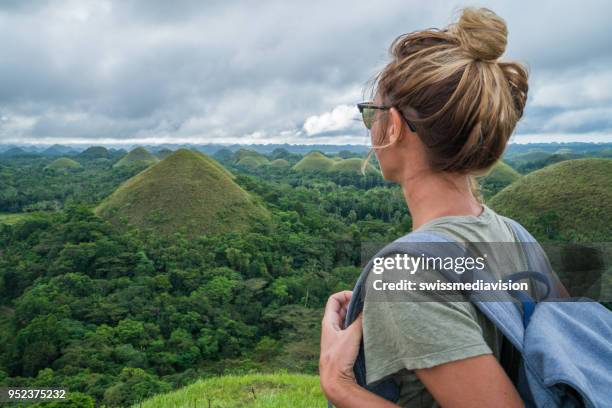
(481, 32)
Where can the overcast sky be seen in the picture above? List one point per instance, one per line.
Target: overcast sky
(267, 71)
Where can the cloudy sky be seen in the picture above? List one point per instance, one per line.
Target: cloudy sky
(151, 71)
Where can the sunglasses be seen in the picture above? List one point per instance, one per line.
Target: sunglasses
(368, 114)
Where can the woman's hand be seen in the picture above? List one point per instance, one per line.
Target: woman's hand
(339, 347)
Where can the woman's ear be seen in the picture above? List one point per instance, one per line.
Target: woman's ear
(395, 126)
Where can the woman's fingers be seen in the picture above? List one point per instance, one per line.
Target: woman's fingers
(335, 309)
(339, 300)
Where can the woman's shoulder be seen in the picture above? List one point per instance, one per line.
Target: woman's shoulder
(486, 227)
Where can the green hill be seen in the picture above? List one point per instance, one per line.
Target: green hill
(281, 153)
(534, 155)
(252, 162)
(186, 191)
(58, 150)
(317, 161)
(250, 158)
(570, 200)
(214, 163)
(163, 153)
(253, 390)
(352, 166)
(14, 152)
(224, 155)
(138, 155)
(602, 153)
(63, 164)
(279, 163)
(500, 176)
(314, 161)
(95, 152)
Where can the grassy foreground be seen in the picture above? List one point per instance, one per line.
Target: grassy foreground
(253, 390)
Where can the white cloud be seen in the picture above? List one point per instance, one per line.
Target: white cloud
(238, 72)
(342, 117)
(579, 119)
(573, 89)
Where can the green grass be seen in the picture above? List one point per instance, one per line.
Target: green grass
(187, 191)
(253, 390)
(63, 164)
(137, 155)
(567, 200)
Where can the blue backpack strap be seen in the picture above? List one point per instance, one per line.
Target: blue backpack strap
(535, 256)
(526, 300)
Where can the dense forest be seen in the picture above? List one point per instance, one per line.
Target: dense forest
(117, 313)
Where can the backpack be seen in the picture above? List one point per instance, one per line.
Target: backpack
(558, 352)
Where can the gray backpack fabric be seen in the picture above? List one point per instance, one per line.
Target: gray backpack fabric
(558, 350)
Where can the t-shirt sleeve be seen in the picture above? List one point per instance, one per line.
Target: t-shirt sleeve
(409, 330)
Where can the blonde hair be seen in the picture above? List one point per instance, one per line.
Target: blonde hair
(450, 84)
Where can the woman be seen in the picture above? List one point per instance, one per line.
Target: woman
(443, 111)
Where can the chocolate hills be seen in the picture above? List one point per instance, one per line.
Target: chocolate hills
(570, 200)
(163, 153)
(63, 164)
(318, 162)
(250, 158)
(138, 155)
(351, 166)
(280, 163)
(499, 177)
(314, 161)
(187, 191)
(95, 152)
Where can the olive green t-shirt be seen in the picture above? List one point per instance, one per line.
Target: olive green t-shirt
(401, 336)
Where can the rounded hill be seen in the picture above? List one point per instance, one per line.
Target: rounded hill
(499, 177)
(250, 158)
(95, 152)
(571, 200)
(138, 155)
(318, 162)
(314, 161)
(351, 166)
(63, 164)
(279, 163)
(163, 153)
(187, 191)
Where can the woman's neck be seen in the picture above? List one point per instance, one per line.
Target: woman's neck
(433, 195)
